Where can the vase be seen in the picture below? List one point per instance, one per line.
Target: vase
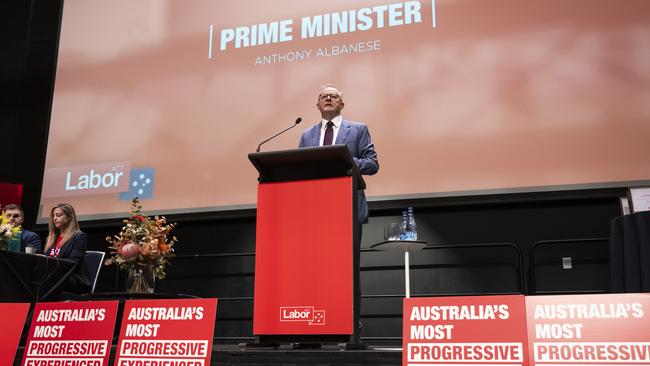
(140, 279)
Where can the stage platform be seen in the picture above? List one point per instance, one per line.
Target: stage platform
(326, 356)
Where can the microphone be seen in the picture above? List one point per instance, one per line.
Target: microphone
(298, 120)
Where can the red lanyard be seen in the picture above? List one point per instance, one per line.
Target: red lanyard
(54, 252)
(59, 242)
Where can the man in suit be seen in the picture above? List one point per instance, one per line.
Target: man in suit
(16, 216)
(334, 129)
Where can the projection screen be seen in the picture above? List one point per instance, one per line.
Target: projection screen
(164, 99)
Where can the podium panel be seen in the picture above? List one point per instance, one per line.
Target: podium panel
(304, 258)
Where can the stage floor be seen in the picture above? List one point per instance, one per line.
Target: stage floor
(326, 356)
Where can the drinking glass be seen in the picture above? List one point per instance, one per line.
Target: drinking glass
(391, 232)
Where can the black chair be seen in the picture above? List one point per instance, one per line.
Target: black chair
(588, 273)
(91, 265)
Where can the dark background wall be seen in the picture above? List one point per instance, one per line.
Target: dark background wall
(28, 34)
(216, 252)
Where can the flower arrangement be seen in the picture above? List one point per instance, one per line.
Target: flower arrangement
(143, 242)
(7, 231)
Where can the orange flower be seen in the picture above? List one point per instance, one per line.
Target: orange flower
(145, 250)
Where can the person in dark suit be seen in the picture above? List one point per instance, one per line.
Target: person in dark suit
(354, 135)
(333, 129)
(16, 217)
(67, 241)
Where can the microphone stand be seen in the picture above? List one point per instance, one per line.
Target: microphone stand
(298, 120)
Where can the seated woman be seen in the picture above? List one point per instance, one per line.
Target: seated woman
(67, 241)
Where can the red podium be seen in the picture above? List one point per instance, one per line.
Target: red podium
(306, 261)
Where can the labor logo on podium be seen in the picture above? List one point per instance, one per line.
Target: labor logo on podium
(305, 314)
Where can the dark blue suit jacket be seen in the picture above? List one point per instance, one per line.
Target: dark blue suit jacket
(30, 238)
(356, 137)
(74, 250)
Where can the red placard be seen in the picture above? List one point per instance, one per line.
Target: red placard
(12, 317)
(589, 329)
(166, 332)
(303, 261)
(71, 333)
(466, 330)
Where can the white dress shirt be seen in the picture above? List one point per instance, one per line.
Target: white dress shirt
(337, 125)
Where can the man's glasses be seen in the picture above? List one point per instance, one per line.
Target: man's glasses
(14, 216)
(330, 96)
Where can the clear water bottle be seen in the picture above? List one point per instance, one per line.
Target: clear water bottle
(402, 226)
(411, 226)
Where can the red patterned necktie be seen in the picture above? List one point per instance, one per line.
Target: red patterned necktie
(329, 133)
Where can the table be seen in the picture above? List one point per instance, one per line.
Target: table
(135, 296)
(405, 246)
(31, 277)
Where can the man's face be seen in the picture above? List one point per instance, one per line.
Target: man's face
(15, 217)
(330, 102)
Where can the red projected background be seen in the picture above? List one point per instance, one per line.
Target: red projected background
(156, 99)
